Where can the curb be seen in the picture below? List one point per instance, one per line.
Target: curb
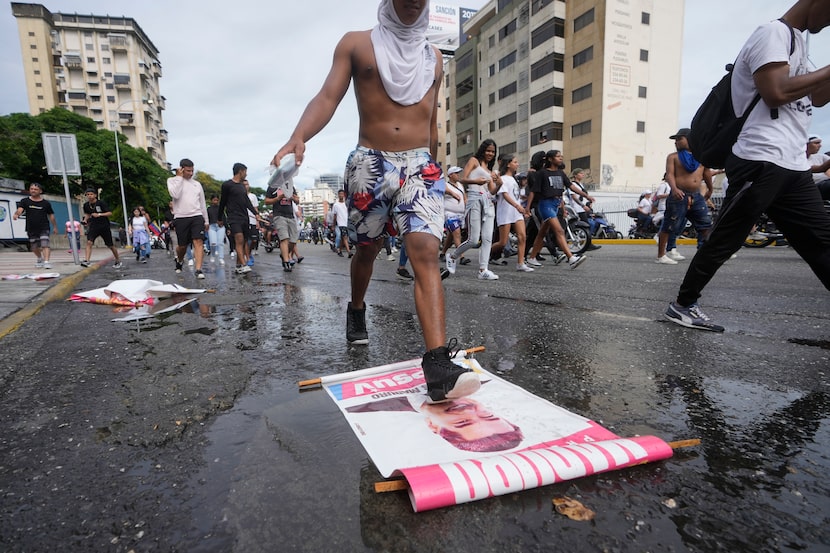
(59, 291)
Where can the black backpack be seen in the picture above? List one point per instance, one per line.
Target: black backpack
(715, 127)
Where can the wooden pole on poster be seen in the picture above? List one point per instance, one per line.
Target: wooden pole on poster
(318, 381)
(399, 485)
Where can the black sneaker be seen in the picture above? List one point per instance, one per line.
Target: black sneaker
(691, 317)
(446, 380)
(199, 274)
(356, 326)
(178, 266)
(85, 263)
(444, 273)
(287, 266)
(403, 274)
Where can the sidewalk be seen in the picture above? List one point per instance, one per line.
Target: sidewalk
(20, 299)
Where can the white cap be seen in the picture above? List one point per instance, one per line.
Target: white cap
(454, 169)
(814, 138)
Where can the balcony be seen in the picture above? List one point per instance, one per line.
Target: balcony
(72, 60)
(157, 69)
(163, 135)
(121, 80)
(125, 119)
(76, 97)
(118, 42)
(162, 102)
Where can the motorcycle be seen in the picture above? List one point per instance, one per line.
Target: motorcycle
(639, 231)
(577, 232)
(602, 228)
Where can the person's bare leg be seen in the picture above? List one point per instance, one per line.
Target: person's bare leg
(539, 242)
(198, 253)
(239, 246)
(560, 237)
(114, 251)
(422, 249)
(88, 250)
(663, 238)
(47, 253)
(363, 263)
(521, 240)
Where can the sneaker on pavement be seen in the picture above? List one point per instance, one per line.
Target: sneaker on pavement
(533, 262)
(403, 274)
(287, 266)
(144, 260)
(560, 258)
(672, 254)
(85, 263)
(221, 260)
(356, 326)
(245, 269)
(444, 273)
(691, 317)
(446, 380)
(464, 261)
(199, 274)
(665, 260)
(117, 264)
(451, 264)
(487, 274)
(523, 268)
(47, 265)
(251, 261)
(300, 259)
(540, 257)
(39, 264)
(391, 257)
(576, 260)
(189, 262)
(178, 266)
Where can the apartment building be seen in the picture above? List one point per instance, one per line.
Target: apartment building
(596, 79)
(102, 67)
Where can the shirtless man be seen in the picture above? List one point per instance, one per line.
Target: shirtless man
(684, 174)
(396, 75)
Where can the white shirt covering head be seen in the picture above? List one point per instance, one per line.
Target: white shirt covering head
(406, 61)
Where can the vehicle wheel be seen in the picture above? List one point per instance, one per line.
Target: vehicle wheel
(619, 235)
(581, 240)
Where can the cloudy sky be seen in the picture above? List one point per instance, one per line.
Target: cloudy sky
(237, 75)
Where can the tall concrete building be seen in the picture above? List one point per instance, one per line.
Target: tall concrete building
(102, 67)
(597, 79)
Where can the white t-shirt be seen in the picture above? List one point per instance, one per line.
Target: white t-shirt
(780, 141)
(662, 189)
(506, 214)
(254, 202)
(817, 159)
(341, 214)
(644, 206)
(574, 199)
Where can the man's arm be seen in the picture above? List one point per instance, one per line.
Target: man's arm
(54, 223)
(777, 88)
(174, 186)
(321, 108)
(707, 179)
(670, 177)
(576, 189)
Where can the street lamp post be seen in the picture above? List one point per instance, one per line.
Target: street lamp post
(114, 125)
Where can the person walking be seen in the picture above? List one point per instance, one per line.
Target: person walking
(509, 212)
(38, 212)
(768, 171)
(141, 237)
(216, 231)
(96, 218)
(234, 205)
(190, 215)
(481, 183)
(392, 172)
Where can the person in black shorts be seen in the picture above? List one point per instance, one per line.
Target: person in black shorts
(38, 212)
(96, 217)
(233, 211)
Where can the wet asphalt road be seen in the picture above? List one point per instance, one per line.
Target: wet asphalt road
(188, 433)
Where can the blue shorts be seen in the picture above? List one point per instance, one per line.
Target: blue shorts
(404, 188)
(549, 208)
(452, 224)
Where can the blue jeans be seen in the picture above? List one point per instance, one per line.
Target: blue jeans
(692, 207)
(216, 237)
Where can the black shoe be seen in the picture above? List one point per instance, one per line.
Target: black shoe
(178, 266)
(339, 253)
(199, 274)
(350, 255)
(287, 267)
(446, 380)
(540, 257)
(85, 263)
(444, 273)
(464, 261)
(403, 274)
(356, 325)
(300, 260)
(593, 247)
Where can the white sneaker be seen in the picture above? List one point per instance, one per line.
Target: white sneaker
(487, 274)
(523, 268)
(221, 260)
(391, 257)
(189, 262)
(672, 254)
(47, 265)
(576, 260)
(451, 263)
(213, 259)
(665, 260)
(39, 264)
(533, 262)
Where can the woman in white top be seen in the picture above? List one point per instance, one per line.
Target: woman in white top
(509, 211)
(141, 240)
(481, 182)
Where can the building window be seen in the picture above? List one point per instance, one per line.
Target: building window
(584, 20)
(89, 47)
(507, 30)
(491, 42)
(33, 46)
(646, 18)
(581, 129)
(549, 131)
(37, 71)
(464, 62)
(492, 126)
(507, 61)
(547, 65)
(581, 163)
(492, 98)
(105, 47)
(90, 60)
(464, 87)
(40, 97)
(508, 90)
(642, 92)
(641, 126)
(643, 55)
(508, 148)
(504, 3)
(507, 120)
(106, 61)
(547, 30)
(582, 93)
(547, 99)
(34, 60)
(464, 112)
(111, 99)
(31, 33)
(584, 56)
(491, 70)
(638, 161)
